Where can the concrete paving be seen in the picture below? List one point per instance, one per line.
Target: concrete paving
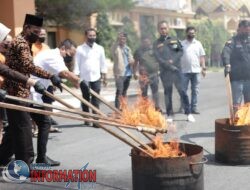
(78, 145)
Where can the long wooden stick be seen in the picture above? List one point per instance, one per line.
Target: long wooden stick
(119, 112)
(44, 112)
(101, 113)
(88, 117)
(59, 100)
(91, 106)
(230, 99)
(104, 101)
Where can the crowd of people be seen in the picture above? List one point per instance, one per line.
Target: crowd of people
(30, 68)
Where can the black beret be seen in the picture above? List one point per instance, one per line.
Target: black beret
(33, 20)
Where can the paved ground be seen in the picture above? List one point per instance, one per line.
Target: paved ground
(78, 145)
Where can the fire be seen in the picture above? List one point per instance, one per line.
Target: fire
(167, 150)
(142, 113)
(242, 116)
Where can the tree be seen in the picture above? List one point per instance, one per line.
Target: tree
(105, 32)
(72, 13)
(132, 39)
(213, 36)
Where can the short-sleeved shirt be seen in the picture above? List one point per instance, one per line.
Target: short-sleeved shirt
(190, 61)
(51, 61)
(90, 62)
(147, 60)
(19, 58)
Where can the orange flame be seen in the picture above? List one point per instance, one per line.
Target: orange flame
(242, 116)
(167, 150)
(142, 113)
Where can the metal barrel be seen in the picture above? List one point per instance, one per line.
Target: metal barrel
(232, 143)
(182, 173)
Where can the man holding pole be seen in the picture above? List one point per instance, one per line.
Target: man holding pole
(19, 58)
(236, 60)
(53, 61)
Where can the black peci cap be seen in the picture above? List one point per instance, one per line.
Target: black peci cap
(33, 20)
(244, 23)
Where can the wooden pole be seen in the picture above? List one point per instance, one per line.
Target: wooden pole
(119, 112)
(101, 113)
(59, 100)
(38, 111)
(230, 99)
(104, 101)
(82, 100)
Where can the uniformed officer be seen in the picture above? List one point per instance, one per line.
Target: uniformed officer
(236, 59)
(168, 52)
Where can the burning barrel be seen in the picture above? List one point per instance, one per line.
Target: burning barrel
(177, 173)
(232, 143)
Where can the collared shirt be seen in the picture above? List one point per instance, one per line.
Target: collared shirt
(19, 58)
(118, 58)
(90, 62)
(190, 60)
(125, 54)
(51, 61)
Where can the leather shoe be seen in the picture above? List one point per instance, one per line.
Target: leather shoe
(87, 123)
(48, 161)
(95, 125)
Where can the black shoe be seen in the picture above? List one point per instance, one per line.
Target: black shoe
(195, 112)
(48, 161)
(52, 121)
(95, 125)
(87, 123)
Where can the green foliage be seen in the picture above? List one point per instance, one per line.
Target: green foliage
(72, 13)
(105, 33)
(147, 27)
(128, 27)
(213, 36)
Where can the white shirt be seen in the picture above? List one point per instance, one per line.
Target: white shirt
(51, 61)
(90, 62)
(190, 61)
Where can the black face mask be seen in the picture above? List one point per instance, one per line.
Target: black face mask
(162, 38)
(190, 37)
(41, 39)
(91, 40)
(32, 38)
(67, 59)
(243, 36)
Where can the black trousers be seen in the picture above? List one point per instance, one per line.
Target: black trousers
(95, 86)
(170, 78)
(43, 124)
(18, 137)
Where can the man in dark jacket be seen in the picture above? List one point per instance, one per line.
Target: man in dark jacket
(168, 52)
(236, 59)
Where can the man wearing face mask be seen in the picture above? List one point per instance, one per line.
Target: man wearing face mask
(236, 60)
(53, 61)
(168, 51)
(39, 45)
(192, 63)
(19, 58)
(91, 66)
